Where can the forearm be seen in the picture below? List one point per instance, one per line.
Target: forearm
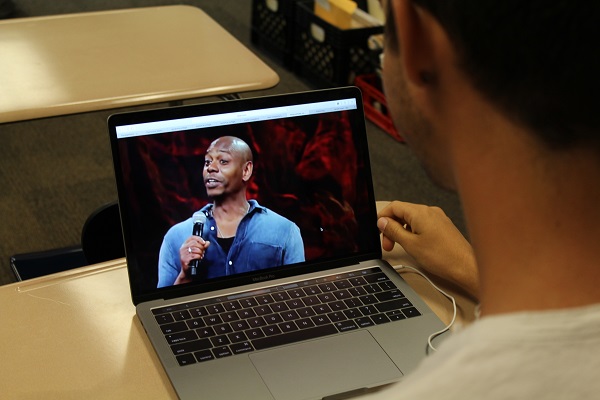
(463, 273)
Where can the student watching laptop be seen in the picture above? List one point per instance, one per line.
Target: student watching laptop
(498, 101)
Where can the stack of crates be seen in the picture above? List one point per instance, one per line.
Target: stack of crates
(323, 54)
(316, 50)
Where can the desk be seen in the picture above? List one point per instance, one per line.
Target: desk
(73, 63)
(75, 335)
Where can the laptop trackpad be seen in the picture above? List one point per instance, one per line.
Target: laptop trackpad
(325, 367)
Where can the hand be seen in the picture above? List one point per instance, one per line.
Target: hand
(192, 249)
(430, 237)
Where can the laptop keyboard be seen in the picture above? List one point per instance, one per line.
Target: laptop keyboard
(219, 327)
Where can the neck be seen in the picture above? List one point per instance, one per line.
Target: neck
(534, 225)
(231, 207)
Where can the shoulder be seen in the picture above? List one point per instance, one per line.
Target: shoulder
(183, 227)
(264, 213)
(511, 354)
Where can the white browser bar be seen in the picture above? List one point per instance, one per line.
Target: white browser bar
(182, 124)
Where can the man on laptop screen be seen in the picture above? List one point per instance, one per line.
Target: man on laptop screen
(239, 235)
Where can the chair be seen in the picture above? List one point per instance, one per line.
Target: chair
(40, 263)
(101, 236)
(101, 240)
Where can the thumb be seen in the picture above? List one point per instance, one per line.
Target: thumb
(392, 231)
(382, 224)
(386, 244)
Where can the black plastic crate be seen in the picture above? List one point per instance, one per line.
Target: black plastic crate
(273, 28)
(328, 56)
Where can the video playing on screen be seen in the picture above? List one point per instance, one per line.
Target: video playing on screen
(224, 200)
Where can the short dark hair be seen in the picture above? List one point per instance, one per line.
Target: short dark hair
(537, 60)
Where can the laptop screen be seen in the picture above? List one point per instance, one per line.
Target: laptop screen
(309, 190)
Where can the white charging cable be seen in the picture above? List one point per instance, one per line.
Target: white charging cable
(435, 334)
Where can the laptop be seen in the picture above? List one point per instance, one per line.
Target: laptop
(312, 311)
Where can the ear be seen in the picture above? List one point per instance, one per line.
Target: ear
(418, 38)
(247, 172)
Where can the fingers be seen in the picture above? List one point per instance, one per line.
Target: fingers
(194, 244)
(398, 210)
(192, 249)
(405, 213)
(197, 250)
(393, 232)
(395, 222)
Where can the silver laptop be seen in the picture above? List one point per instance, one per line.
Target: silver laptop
(298, 303)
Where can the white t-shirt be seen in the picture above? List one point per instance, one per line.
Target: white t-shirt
(529, 355)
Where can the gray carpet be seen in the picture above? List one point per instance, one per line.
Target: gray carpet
(55, 171)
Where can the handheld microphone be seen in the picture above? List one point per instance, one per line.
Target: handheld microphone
(199, 219)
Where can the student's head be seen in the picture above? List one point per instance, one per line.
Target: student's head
(537, 61)
(227, 167)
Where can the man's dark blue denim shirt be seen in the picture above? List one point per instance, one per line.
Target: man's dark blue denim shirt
(264, 239)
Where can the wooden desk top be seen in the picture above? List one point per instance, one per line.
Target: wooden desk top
(75, 335)
(82, 62)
